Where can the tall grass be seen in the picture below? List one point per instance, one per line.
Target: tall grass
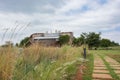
(39, 63)
(7, 63)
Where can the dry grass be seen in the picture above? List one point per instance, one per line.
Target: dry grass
(39, 63)
(7, 63)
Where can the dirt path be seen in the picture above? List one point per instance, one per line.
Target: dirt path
(79, 74)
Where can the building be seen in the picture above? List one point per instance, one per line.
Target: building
(49, 39)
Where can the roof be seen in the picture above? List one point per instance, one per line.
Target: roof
(46, 37)
(51, 35)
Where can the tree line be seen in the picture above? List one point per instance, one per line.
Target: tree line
(93, 39)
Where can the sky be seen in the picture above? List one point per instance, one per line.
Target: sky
(21, 18)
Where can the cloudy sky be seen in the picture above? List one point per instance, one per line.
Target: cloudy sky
(20, 18)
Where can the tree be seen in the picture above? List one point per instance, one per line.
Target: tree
(64, 39)
(108, 43)
(78, 41)
(83, 38)
(93, 40)
(24, 42)
(75, 41)
(114, 44)
(105, 43)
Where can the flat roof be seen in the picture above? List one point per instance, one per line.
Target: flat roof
(46, 38)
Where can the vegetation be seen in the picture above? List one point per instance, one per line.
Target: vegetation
(64, 39)
(115, 53)
(52, 63)
(107, 43)
(93, 40)
(39, 63)
(87, 72)
(7, 63)
(78, 41)
(48, 63)
(115, 56)
(24, 42)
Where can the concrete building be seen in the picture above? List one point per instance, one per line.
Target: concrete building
(49, 39)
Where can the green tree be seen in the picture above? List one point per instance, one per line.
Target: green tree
(93, 40)
(108, 43)
(64, 39)
(24, 42)
(105, 43)
(114, 44)
(80, 40)
(77, 41)
(83, 38)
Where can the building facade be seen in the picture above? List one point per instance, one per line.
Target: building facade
(49, 39)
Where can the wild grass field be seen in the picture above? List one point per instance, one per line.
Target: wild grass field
(48, 63)
(39, 63)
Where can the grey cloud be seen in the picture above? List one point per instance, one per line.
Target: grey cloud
(29, 6)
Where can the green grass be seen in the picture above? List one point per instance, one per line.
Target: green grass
(115, 56)
(87, 73)
(109, 48)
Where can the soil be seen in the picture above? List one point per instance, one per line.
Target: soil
(79, 73)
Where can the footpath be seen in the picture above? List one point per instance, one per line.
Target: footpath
(101, 72)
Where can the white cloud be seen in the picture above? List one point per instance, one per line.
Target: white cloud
(71, 5)
(97, 18)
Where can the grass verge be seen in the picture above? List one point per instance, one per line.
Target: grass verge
(87, 72)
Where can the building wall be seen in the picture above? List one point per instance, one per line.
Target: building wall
(49, 42)
(35, 35)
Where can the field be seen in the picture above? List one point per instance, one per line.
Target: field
(39, 63)
(49, 63)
